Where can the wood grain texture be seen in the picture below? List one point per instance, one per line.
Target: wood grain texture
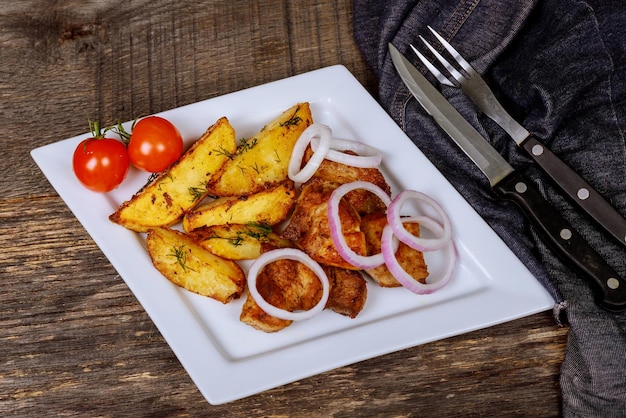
(74, 341)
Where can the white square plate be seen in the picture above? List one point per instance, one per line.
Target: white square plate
(229, 360)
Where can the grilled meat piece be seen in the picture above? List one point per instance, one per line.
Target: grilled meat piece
(361, 200)
(286, 284)
(292, 286)
(348, 291)
(308, 227)
(412, 261)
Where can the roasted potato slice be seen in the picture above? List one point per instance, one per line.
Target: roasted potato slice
(262, 160)
(190, 266)
(164, 201)
(412, 261)
(239, 242)
(309, 228)
(268, 207)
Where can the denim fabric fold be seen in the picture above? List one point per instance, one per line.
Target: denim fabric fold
(559, 67)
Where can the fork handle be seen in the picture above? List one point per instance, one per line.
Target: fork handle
(577, 188)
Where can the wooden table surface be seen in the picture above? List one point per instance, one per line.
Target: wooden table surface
(73, 338)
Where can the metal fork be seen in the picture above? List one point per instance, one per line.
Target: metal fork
(472, 84)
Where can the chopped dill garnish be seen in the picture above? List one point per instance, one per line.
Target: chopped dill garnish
(166, 175)
(236, 241)
(293, 120)
(246, 145)
(223, 151)
(258, 231)
(197, 192)
(181, 256)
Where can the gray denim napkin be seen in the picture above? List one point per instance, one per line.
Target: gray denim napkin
(559, 67)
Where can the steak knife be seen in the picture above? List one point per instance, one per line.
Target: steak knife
(609, 288)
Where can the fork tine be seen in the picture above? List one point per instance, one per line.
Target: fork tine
(434, 71)
(453, 71)
(466, 65)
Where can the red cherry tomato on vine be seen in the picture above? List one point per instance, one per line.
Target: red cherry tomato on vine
(99, 163)
(154, 144)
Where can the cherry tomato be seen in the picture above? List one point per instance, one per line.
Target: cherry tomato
(100, 164)
(154, 144)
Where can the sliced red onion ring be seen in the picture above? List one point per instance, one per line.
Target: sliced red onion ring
(369, 157)
(389, 254)
(287, 254)
(336, 233)
(315, 130)
(417, 243)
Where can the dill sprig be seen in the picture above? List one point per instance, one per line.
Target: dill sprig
(197, 192)
(181, 256)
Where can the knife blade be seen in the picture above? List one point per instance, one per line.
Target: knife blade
(609, 288)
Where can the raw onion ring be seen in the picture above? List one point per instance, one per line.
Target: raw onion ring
(287, 254)
(417, 243)
(315, 130)
(336, 233)
(387, 248)
(368, 157)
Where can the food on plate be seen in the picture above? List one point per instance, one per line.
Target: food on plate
(309, 225)
(411, 260)
(290, 285)
(309, 229)
(173, 192)
(269, 207)
(237, 241)
(262, 160)
(361, 200)
(286, 284)
(348, 291)
(332, 208)
(154, 143)
(99, 163)
(318, 141)
(435, 281)
(191, 267)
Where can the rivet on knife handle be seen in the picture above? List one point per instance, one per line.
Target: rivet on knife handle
(577, 188)
(608, 287)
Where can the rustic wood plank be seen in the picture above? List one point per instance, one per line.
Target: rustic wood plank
(73, 339)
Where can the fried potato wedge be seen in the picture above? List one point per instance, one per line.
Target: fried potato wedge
(309, 229)
(412, 261)
(191, 267)
(239, 242)
(286, 284)
(262, 160)
(267, 207)
(164, 201)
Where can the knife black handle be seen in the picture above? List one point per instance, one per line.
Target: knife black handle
(577, 188)
(608, 287)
